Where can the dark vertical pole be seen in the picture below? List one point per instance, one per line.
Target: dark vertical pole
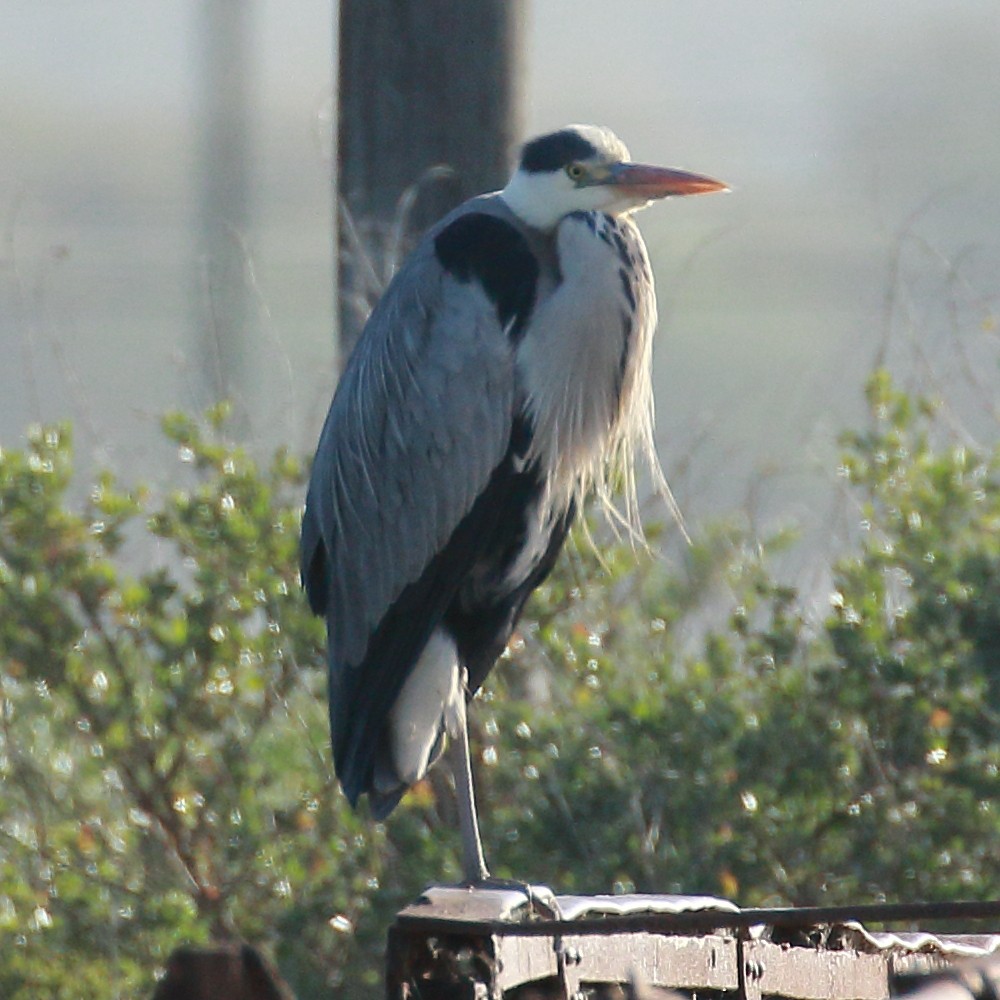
(422, 84)
(223, 176)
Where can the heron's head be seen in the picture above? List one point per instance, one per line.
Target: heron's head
(587, 168)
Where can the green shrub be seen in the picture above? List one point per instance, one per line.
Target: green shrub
(656, 726)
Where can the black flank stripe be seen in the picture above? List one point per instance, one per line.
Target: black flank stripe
(623, 251)
(627, 287)
(627, 328)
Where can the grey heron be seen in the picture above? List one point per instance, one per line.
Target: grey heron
(505, 367)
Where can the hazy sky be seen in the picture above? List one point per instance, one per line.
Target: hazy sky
(857, 137)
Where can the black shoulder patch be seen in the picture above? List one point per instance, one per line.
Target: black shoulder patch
(555, 151)
(486, 249)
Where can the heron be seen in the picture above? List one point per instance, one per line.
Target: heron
(504, 371)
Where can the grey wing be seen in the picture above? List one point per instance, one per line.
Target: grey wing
(421, 418)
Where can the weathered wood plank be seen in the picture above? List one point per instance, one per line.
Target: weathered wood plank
(521, 960)
(808, 974)
(707, 962)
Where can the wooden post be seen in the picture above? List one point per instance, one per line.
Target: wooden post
(422, 84)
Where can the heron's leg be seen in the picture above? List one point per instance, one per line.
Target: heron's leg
(474, 869)
(541, 899)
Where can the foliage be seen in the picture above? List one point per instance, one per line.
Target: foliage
(779, 758)
(164, 747)
(686, 725)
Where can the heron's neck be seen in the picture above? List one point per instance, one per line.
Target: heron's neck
(526, 196)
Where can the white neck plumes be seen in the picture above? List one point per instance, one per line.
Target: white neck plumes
(585, 361)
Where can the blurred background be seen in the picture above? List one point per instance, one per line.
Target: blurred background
(860, 140)
(166, 238)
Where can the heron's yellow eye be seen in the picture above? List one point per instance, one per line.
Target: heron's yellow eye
(575, 171)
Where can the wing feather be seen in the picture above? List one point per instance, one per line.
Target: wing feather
(417, 469)
(420, 419)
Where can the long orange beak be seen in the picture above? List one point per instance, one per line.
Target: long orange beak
(644, 181)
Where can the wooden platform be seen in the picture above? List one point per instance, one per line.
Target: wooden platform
(475, 944)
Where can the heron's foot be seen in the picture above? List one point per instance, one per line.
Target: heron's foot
(541, 900)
